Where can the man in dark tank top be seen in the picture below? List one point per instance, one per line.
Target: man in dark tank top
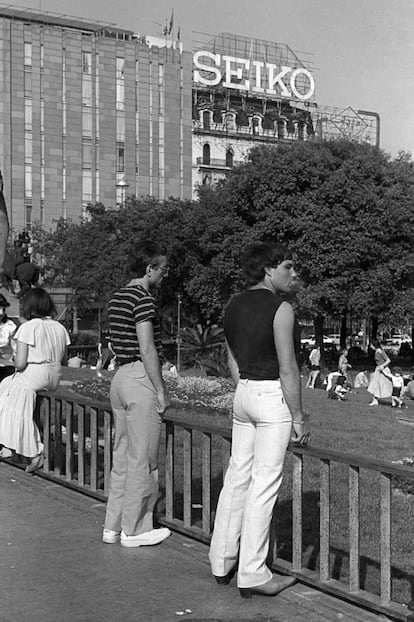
(259, 327)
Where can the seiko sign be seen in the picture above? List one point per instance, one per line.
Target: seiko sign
(263, 77)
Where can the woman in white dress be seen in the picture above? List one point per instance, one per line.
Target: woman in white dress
(40, 350)
(380, 385)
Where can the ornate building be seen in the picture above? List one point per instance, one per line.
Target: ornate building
(248, 92)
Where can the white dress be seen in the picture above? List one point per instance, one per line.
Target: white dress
(47, 340)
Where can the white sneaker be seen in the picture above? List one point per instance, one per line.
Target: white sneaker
(110, 537)
(155, 536)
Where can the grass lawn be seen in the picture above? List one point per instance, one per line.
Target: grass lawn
(351, 426)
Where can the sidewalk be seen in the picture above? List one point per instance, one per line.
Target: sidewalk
(55, 568)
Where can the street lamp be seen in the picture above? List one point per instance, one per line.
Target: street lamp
(122, 184)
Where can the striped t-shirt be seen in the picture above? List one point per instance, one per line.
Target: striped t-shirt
(128, 307)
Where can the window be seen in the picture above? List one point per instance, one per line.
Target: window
(28, 216)
(120, 68)
(120, 127)
(28, 54)
(28, 114)
(87, 155)
(120, 95)
(230, 121)
(206, 119)
(229, 158)
(28, 181)
(87, 122)
(120, 159)
(28, 147)
(87, 63)
(206, 154)
(86, 186)
(161, 90)
(27, 83)
(87, 91)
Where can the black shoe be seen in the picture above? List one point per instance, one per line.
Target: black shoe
(225, 580)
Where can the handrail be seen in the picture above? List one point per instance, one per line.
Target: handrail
(78, 435)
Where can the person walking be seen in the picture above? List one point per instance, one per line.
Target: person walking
(315, 367)
(258, 326)
(380, 384)
(139, 399)
(41, 347)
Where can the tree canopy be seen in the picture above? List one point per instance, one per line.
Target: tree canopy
(345, 210)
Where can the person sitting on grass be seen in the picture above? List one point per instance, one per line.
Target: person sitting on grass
(335, 385)
(397, 397)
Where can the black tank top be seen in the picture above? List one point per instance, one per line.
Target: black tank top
(248, 327)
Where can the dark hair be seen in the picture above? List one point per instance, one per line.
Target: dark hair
(140, 256)
(38, 303)
(375, 342)
(257, 257)
(397, 370)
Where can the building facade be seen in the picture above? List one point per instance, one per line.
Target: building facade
(93, 113)
(90, 113)
(247, 92)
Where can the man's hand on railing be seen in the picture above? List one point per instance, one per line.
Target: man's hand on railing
(163, 402)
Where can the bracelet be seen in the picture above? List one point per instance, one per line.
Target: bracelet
(298, 422)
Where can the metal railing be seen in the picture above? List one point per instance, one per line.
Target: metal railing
(78, 444)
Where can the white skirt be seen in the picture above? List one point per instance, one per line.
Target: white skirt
(18, 431)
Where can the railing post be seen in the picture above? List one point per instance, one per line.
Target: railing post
(324, 520)
(67, 412)
(107, 435)
(93, 417)
(206, 482)
(353, 528)
(169, 471)
(81, 445)
(297, 487)
(385, 538)
(188, 469)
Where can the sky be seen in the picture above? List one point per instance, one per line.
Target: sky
(362, 51)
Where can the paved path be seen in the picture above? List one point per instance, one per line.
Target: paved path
(54, 568)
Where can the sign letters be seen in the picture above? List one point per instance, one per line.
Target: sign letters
(212, 69)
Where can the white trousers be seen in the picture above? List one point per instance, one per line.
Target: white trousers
(262, 426)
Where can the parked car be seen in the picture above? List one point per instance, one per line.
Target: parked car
(401, 339)
(335, 338)
(392, 346)
(310, 341)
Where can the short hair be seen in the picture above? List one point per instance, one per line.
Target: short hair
(397, 370)
(259, 256)
(38, 303)
(144, 254)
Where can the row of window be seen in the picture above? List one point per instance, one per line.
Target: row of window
(88, 105)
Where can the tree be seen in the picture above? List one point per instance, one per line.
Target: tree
(345, 210)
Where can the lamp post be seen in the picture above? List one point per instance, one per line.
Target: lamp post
(123, 185)
(178, 340)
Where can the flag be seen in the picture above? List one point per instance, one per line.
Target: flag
(179, 33)
(170, 27)
(165, 29)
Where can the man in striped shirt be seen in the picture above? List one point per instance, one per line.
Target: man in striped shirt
(139, 399)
